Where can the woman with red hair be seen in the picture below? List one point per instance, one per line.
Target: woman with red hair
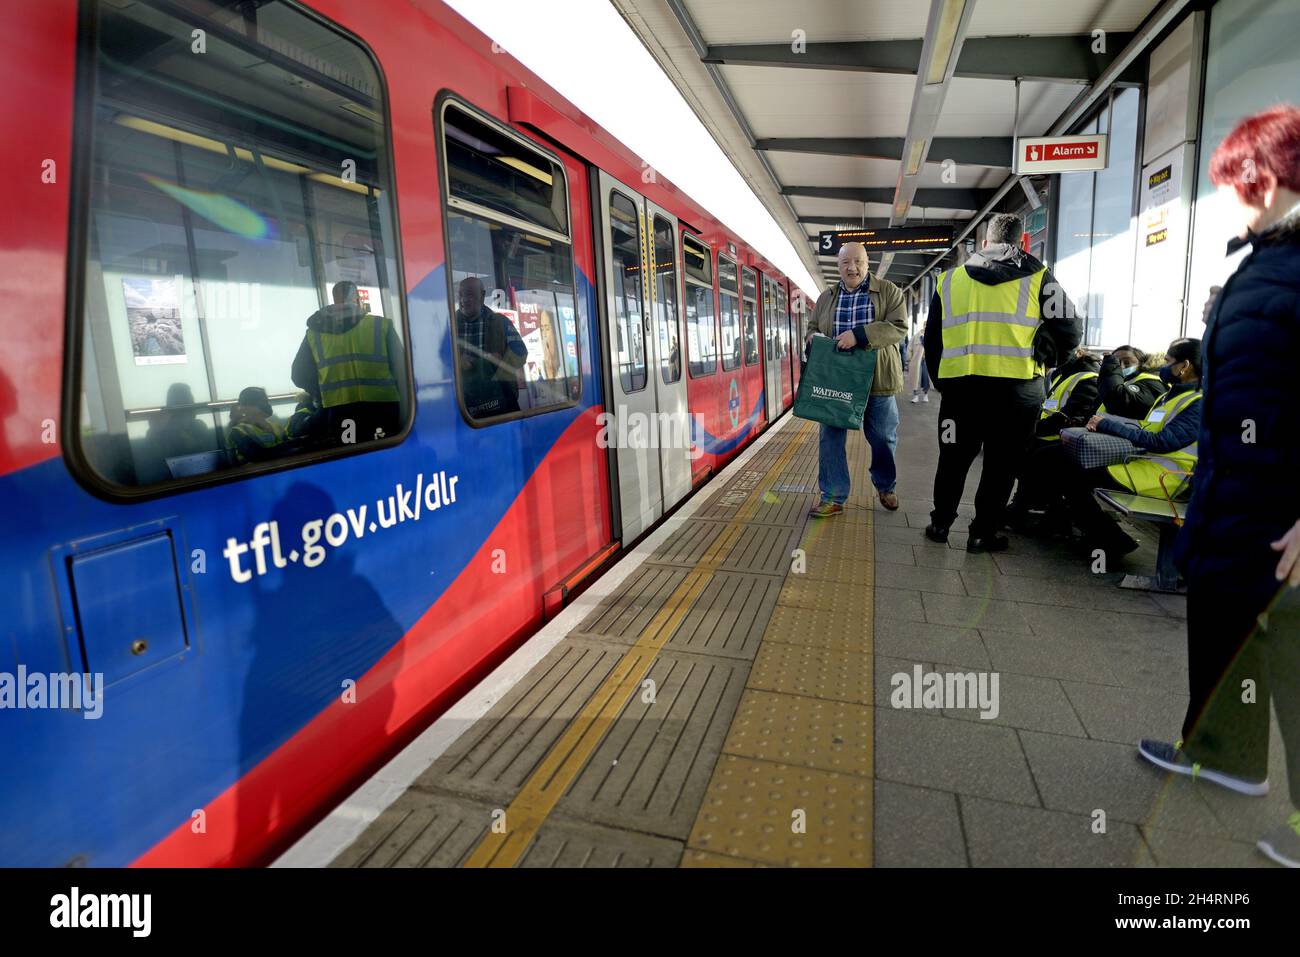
(1239, 549)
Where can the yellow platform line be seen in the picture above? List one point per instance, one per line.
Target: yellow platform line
(567, 757)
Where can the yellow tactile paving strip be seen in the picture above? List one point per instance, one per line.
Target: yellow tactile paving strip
(793, 785)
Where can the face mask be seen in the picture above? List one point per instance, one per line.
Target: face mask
(1167, 375)
(1129, 371)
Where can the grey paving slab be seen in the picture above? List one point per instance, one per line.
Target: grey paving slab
(1247, 818)
(932, 751)
(898, 603)
(1005, 835)
(1159, 633)
(1081, 775)
(894, 553)
(421, 830)
(650, 771)
(1081, 660)
(1126, 715)
(957, 558)
(1179, 849)
(941, 580)
(916, 827)
(1136, 666)
(906, 535)
(498, 754)
(1174, 605)
(886, 668)
(1060, 595)
(628, 611)
(726, 619)
(1025, 701)
(922, 641)
(753, 548)
(964, 611)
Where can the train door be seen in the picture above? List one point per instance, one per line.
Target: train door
(771, 351)
(673, 420)
(651, 477)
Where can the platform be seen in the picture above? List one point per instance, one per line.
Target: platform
(717, 700)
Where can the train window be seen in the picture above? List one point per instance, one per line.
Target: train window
(625, 236)
(670, 347)
(729, 304)
(511, 271)
(701, 334)
(751, 316)
(769, 319)
(241, 303)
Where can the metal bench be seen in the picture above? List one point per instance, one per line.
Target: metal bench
(1167, 517)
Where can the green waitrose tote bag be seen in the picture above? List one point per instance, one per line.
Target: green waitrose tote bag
(836, 384)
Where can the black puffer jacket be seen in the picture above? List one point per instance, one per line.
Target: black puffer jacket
(1131, 398)
(1246, 490)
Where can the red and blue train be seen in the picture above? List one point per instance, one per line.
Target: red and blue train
(203, 653)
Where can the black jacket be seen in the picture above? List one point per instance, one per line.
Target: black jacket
(1057, 335)
(1245, 492)
(1126, 397)
(1082, 403)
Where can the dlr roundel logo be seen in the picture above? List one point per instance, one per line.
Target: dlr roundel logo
(733, 404)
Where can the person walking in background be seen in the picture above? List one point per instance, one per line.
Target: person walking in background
(862, 312)
(921, 375)
(1239, 549)
(995, 324)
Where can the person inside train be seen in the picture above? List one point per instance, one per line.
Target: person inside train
(1167, 437)
(351, 362)
(1071, 401)
(177, 430)
(1129, 383)
(491, 353)
(254, 435)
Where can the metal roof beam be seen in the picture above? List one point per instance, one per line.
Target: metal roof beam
(963, 150)
(1058, 58)
(944, 197)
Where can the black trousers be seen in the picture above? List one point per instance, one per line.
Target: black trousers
(1037, 486)
(989, 414)
(1243, 651)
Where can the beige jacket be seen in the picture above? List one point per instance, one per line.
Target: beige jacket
(884, 334)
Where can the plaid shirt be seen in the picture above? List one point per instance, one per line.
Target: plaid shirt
(854, 308)
(473, 332)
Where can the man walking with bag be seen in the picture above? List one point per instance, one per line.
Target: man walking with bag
(995, 323)
(862, 312)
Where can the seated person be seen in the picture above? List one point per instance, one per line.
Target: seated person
(305, 424)
(254, 435)
(1167, 436)
(1070, 403)
(1128, 383)
(491, 353)
(178, 430)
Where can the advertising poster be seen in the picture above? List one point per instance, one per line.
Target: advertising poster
(154, 316)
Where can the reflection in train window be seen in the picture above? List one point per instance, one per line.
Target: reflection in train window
(701, 335)
(751, 317)
(511, 266)
(729, 308)
(629, 313)
(670, 347)
(241, 299)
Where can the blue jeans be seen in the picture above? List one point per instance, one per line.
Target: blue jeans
(923, 383)
(880, 425)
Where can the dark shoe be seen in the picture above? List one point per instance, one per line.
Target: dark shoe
(936, 534)
(889, 500)
(987, 543)
(1114, 542)
(825, 510)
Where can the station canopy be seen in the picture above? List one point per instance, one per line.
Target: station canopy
(887, 113)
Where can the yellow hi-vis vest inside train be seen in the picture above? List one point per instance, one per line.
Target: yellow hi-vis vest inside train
(1101, 409)
(1060, 396)
(989, 330)
(353, 366)
(1142, 476)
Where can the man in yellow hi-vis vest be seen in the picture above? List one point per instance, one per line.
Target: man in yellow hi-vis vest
(995, 324)
(352, 364)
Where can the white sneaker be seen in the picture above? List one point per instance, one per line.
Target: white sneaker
(915, 399)
(925, 397)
